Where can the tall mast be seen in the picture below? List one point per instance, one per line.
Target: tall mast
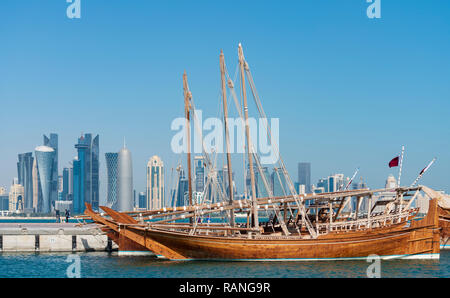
(247, 134)
(187, 97)
(225, 116)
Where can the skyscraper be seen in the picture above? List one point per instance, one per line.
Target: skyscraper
(65, 185)
(86, 173)
(4, 199)
(304, 175)
(155, 183)
(45, 160)
(335, 182)
(25, 174)
(199, 167)
(323, 183)
(125, 197)
(279, 189)
(261, 190)
(142, 200)
(111, 172)
(70, 183)
(52, 142)
(179, 194)
(222, 177)
(37, 191)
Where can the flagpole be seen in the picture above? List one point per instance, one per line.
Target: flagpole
(401, 164)
(423, 172)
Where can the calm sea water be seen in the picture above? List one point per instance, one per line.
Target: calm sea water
(99, 264)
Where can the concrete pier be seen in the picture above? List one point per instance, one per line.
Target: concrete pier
(53, 237)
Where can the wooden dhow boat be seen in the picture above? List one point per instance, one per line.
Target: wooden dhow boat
(388, 236)
(303, 227)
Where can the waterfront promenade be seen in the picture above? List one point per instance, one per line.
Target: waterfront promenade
(52, 237)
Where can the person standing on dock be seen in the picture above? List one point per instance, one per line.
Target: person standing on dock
(67, 215)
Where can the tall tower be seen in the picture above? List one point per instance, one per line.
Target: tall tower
(25, 174)
(45, 161)
(86, 173)
(65, 184)
(279, 189)
(52, 142)
(111, 172)
(37, 192)
(125, 201)
(155, 183)
(261, 191)
(199, 167)
(304, 175)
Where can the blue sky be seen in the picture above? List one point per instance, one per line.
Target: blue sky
(348, 90)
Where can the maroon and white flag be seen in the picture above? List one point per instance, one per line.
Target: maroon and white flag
(394, 162)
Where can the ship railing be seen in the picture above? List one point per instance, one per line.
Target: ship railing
(375, 221)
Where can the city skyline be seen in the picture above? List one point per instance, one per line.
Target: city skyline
(168, 184)
(348, 91)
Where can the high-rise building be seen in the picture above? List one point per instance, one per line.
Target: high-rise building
(45, 161)
(304, 175)
(142, 200)
(16, 197)
(125, 197)
(4, 199)
(279, 189)
(65, 185)
(111, 173)
(261, 190)
(70, 183)
(60, 188)
(37, 191)
(222, 177)
(79, 180)
(335, 182)
(199, 168)
(248, 181)
(86, 173)
(155, 183)
(25, 175)
(180, 194)
(323, 184)
(52, 142)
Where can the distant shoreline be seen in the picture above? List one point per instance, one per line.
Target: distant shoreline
(28, 217)
(52, 218)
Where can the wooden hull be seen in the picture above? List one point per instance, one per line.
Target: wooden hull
(444, 225)
(126, 245)
(419, 240)
(388, 245)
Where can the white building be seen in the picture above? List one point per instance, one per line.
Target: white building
(16, 197)
(125, 201)
(155, 183)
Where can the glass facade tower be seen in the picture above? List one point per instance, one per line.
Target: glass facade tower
(86, 173)
(45, 161)
(52, 142)
(25, 174)
(111, 172)
(304, 175)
